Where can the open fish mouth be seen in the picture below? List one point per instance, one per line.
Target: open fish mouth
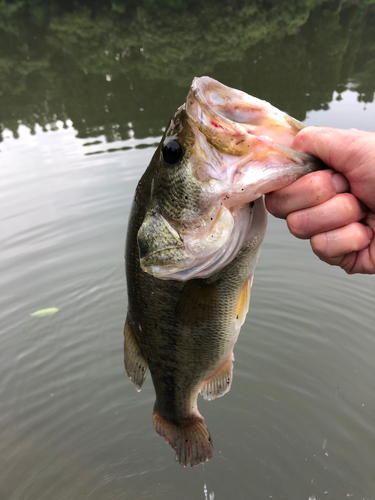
(230, 118)
(252, 138)
(225, 150)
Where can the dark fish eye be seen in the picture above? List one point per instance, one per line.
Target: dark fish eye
(172, 152)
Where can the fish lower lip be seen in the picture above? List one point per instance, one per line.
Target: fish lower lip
(252, 180)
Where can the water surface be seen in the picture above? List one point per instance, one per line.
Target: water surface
(85, 94)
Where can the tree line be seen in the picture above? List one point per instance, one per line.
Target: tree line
(105, 64)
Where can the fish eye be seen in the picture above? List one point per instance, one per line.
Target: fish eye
(172, 152)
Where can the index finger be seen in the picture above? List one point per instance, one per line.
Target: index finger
(308, 191)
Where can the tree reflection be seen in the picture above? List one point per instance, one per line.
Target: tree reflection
(105, 64)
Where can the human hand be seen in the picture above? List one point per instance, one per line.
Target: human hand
(335, 209)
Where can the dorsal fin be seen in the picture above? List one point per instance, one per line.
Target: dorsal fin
(135, 364)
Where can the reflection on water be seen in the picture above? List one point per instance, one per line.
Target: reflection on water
(210, 496)
(298, 421)
(102, 66)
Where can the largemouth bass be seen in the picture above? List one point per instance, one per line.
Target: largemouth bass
(194, 235)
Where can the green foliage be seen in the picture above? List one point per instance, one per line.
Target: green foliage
(7, 15)
(105, 63)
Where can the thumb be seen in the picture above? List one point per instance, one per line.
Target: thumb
(337, 148)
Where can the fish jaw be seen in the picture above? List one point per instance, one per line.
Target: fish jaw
(270, 168)
(230, 117)
(200, 256)
(230, 159)
(248, 140)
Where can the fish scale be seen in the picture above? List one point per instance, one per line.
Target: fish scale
(194, 235)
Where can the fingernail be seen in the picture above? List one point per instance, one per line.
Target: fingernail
(340, 182)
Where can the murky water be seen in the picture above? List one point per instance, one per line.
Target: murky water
(84, 96)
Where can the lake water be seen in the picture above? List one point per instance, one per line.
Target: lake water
(84, 97)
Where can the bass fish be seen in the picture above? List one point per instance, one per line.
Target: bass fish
(194, 234)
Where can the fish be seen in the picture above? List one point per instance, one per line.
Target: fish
(194, 234)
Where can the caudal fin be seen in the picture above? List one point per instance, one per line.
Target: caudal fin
(191, 441)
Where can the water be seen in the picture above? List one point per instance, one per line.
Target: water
(298, 421)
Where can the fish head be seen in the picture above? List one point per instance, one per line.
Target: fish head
(221, 151)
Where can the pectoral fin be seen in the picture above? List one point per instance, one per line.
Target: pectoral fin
(135, 364)
(220, 382)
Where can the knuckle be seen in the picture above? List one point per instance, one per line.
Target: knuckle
(319, 245)
(351, 205)
(298, 224)
(320, 186)
(274, 205)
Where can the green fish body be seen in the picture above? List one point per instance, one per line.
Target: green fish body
(195, 230)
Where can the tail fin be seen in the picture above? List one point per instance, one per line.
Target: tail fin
(191, 440)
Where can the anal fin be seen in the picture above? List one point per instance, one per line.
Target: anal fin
(135, 364)
(191, 440)
(220, 382)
